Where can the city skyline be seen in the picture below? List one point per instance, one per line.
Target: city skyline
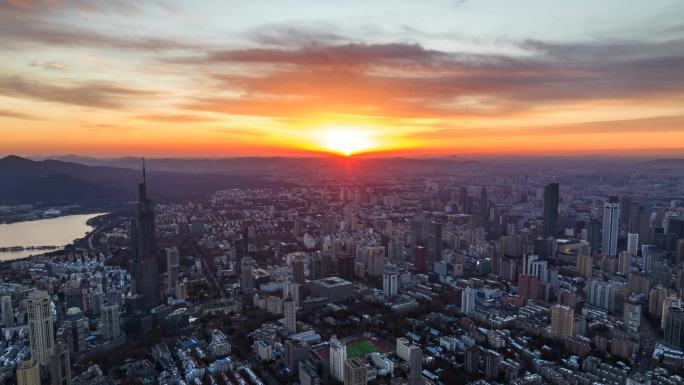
(382, 79)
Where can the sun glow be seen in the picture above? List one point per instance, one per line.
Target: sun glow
(346, 141)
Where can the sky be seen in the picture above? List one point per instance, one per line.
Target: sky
(386, 77)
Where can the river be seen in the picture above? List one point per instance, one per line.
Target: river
(58, 231)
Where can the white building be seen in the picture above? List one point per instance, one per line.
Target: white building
(389, 281)
(403, 348)
(468, 300)
(338, 355)
(40, 324)
(633, 244)
(290, 310)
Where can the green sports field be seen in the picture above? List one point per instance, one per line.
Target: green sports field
(360, 349)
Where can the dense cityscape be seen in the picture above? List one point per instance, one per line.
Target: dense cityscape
(445, 274)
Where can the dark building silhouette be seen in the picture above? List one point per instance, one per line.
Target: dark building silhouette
(434, 244)
(594, 234)
(551, 198)
(144, 249)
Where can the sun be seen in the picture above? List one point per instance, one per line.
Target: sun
(346, 141)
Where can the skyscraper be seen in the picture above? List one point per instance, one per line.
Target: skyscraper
(434, 244)
(611, 227)
(60, 365)
(76, 330)
(355, 372)
(389, 280)
(111, 326)
(246, 273)
(551, 198)
(468, 300)
(298, 269)
(7, 311)
(28, 373)
(415, 376)
(674, 327)
(562, 318)
(41, 331)
(338, 355)
(290, 310)
(144, 249)
(172, 267)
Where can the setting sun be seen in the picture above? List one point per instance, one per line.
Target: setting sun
(346, 141)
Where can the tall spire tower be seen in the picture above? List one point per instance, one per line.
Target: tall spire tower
(144, 247)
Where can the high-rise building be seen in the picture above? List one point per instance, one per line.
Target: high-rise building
(172, 268)
(594, 234)
(632, 314)
(551, 199)
(111, 326)
(28, 373)
(624, 262)
(338, 355)
(375, 260)
(674, 328)
(41, 330)
(434, 244)
(60, 365)
(298, 269)
(611, 226)
(472, 359)
(419, 255)
(562, 318)
(76, 330)
(389, 280)
(415, 376)
(468, 300)
(290, 310)
(144, 249)
(7, 311)
(492, 360)
(355, 372)
(585, 263)
(345, 267)
(308, 374)
(247, 273)
(633, 244)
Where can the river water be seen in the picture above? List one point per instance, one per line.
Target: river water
(58, 231)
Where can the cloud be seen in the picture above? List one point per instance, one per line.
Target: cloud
(90, 94)
(16, 115)
(409, 80)
(175, 118)
(54, 66)
(658, 124)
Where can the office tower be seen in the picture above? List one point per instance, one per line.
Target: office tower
(96, 299)
(484, 204)
(492, 360)
(594, 234)
(468, 300)
(562, 318)
(434, 244)
(290, 310)
(528, 286)
(551, 199)
(7, 311)
(338, 354)
(585, 262)
(632, 244)
(669, 302)
(511, 246)
(298, 269)
(172, 268)
(674, 328)
(355, 372)
(389, 280)
(144, 249)
(316, 270)
(74, 298)
(76, 330)
(415, 376)
(419, 256)
(345, 267)
(60, 365)
(246, 273)
(111, 326)
(611, 227)
(41, 331)
(624, 262)
(632, 314)
(28, 373)
(472, 360)
(375, 260)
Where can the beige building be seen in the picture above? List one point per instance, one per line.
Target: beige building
(562, 318)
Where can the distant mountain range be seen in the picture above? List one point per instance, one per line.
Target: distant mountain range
(58, 182)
